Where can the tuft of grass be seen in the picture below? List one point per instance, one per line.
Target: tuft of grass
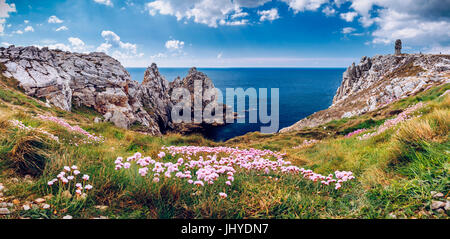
(28, 155)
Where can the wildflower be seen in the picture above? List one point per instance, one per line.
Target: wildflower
(74, 167)
(228, 183)
(155, 179)
(126, 165)
(338, 185)
(85, 177)
(223, 195)
(200, 183)
(76, 172)
(70, 178)
(161, 154)
(88, 187)
(50, 183)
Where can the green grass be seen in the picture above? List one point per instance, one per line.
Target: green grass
(395, 171)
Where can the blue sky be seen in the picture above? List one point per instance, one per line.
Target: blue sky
(229, 33)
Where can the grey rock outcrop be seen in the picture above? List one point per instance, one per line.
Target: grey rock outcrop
(378, 81)
(95, 80)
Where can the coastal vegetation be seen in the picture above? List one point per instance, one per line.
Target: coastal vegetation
(403, 171)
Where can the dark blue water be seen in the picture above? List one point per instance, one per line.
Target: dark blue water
(303, 91)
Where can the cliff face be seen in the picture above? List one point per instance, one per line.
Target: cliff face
(378, 81)
(93, 80)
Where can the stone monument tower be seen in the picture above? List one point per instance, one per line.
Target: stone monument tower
(398, 47)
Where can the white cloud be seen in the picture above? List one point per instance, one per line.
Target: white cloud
(6, 44)
(268, 15)
(59, 46)
(63, 28)
(302, 5)
(104, 2)
(120, 50)
(159, 55)
(418, 22)
(329, 11)
(210, 12)
(395, 25)
(104, 47)
(349, 16)
(234, 23)
(29, 29)
(26, 21)
(77, 44)
(5, 9)
(347, 30)
(239, 15)
(174, 45)
(19, 32)
(54, 19)
(219, 56)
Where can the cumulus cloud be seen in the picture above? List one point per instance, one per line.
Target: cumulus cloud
(268, 15)
(59, 46)
(349, 16)
(63, 28)
(118, 49)
(210, 12)
(54, 19)
(302, 5)
(329, 11)
(347, 30)
(174, 45)
(75, 45)
(29, 29)
(104, 2)
(418, 22)
(5, 10)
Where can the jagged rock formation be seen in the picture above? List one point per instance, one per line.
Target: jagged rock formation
(95, 80)
(378, 81)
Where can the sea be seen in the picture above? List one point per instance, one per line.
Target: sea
(302, 92)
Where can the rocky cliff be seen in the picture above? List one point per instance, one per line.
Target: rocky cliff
(378, 81)
(98, 81)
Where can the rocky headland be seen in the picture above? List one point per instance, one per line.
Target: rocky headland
(98, 81)
(377, 81)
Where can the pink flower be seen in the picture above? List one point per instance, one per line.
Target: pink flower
(199, 183)
(161, 154)
(228, 183)
(223, 195)
(85, 177)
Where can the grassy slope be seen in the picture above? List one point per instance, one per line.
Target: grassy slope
(396, 171)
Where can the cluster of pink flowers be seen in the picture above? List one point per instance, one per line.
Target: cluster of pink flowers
(403, 116)
(338, 178)
(358, 131)
(72, 178)
(200, 165)
(91, 138)
(307, 143)
(21, 126)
